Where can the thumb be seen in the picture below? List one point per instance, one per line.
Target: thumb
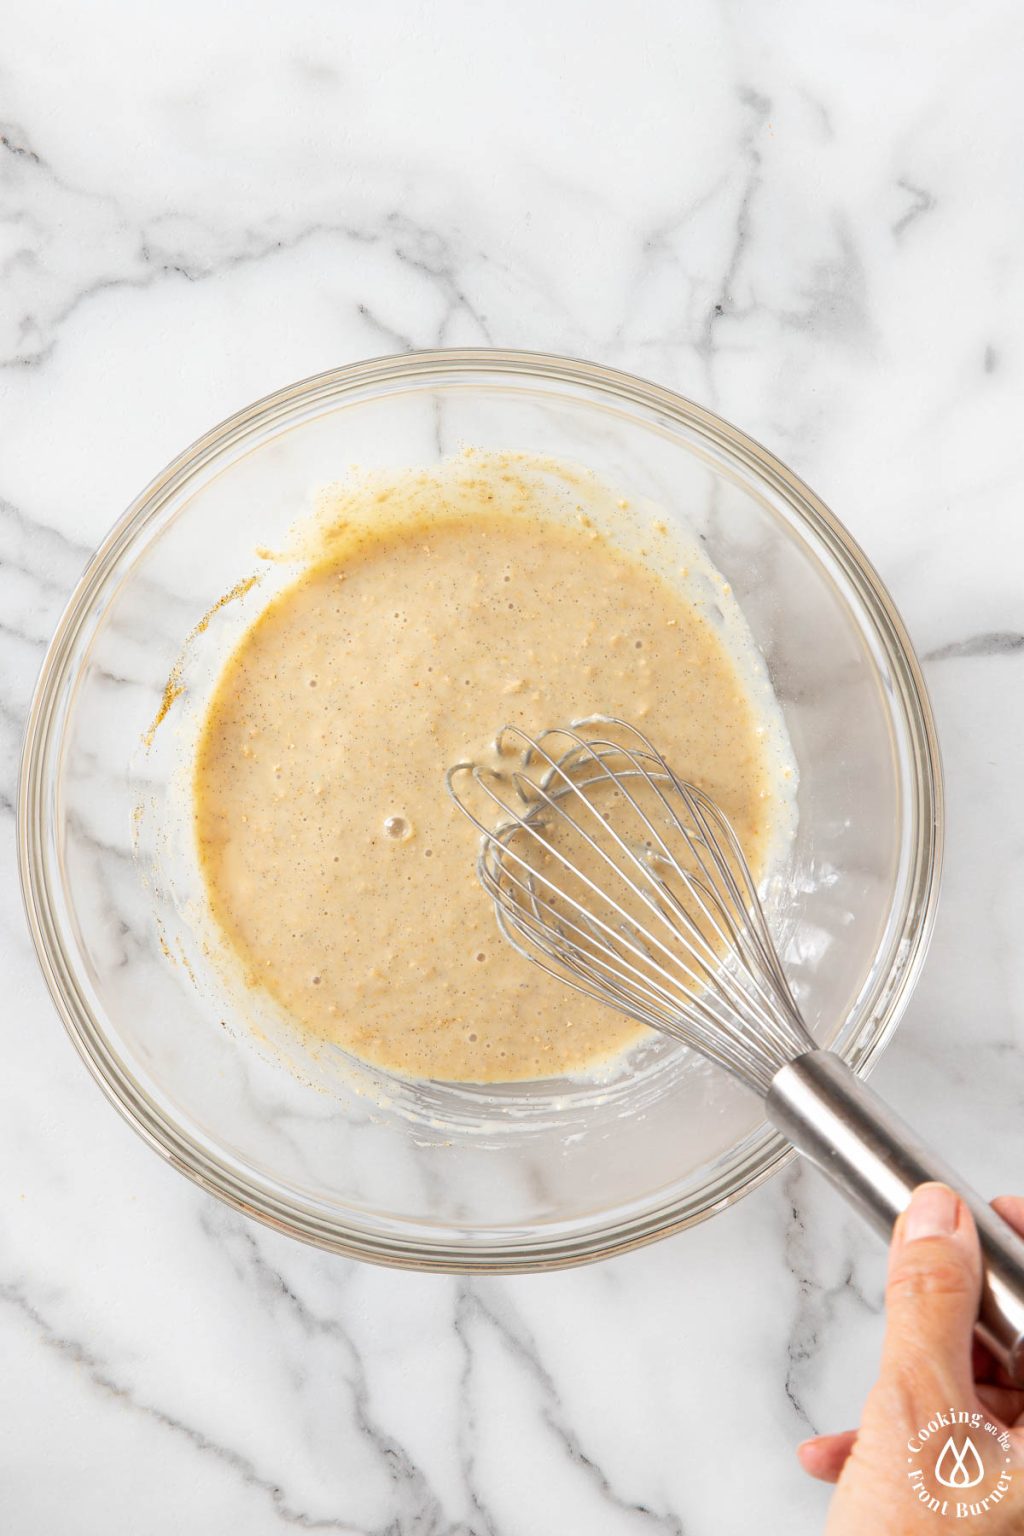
(932, 1296)
(825, 1456)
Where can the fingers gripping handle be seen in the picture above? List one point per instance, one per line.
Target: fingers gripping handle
(837, 1121)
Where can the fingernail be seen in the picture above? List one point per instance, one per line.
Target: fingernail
(932, 1212)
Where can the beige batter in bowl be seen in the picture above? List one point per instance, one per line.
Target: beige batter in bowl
(435, 607)
(348, 1155)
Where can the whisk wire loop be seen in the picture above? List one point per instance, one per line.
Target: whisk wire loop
(643, 900)
(548, 930)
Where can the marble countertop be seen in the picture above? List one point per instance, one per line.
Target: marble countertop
(807, 218)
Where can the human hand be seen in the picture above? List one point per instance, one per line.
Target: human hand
(898, 1474)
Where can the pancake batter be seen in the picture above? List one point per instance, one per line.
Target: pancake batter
(336, 866)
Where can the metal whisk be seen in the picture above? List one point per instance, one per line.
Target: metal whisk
(629, 885)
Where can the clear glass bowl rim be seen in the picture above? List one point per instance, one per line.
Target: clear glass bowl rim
(540, 1249)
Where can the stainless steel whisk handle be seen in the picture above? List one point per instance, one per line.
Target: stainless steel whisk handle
(875, 1159)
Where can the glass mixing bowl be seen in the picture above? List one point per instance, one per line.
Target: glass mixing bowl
(422, 1174)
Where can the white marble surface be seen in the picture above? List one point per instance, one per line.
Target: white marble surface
(809, 218)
